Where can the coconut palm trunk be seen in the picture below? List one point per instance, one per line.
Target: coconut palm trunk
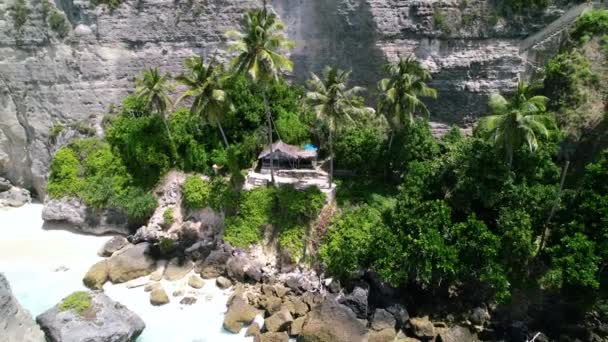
(267, 109)
(558, 197)
(331, 158)
(219, 125)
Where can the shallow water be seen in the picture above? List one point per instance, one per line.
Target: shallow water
(45, 266)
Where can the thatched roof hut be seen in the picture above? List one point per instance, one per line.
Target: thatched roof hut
(287, 155)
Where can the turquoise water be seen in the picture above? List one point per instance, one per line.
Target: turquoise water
(45, 266)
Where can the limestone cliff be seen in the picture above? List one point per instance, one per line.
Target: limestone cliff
(46, 79)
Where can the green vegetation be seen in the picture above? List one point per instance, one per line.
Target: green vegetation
(79, 302)
(515, 212)
(59, 23)
(55, 131)
(196, 192)
(439, 19)
(335, 103)
(168, 218)
(88, 169)
(290, 211)
(19, 13)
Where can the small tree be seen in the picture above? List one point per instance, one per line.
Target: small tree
(334, 102)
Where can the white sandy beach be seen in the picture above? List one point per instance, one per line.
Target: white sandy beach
(45, 266)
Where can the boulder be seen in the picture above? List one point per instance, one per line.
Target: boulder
(236, 266)
(274, 337)
(239, 313)
(329, 322)
(400, 313)
(177, 270)
(383, 319)
(151, 286)
(77, 215)
(96, 276)
(157, 275)
(295, 328)
(299, 307)
(223, 282)
(188, 301)
(5, 185)
(196, 282)
(479, 316)
(279, 321)
(357, 301)
(458, 334)
(113, 245)
(16, 324)
(159, 297)
(271, 304)
(105, 320)
(214, 264)
(384, 335)
(130, 263)
(135, 283)
(253, 330)
(422, 327)
(14, 197)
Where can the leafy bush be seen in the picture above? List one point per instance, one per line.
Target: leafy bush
(143, 145)
(589, 24)
(285, 209)
(168, 218)
(292, 240)
(439, 19)
(59, 23)
(65, 174)
(19, 12)
(349, 241)
(78, 302)
(360, 150)
(255, 212)
(196, 192)
(88, 169)
(55, 131)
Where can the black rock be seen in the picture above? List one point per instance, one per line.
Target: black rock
(357, 301)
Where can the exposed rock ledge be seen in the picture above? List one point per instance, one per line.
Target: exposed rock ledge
(12, 196)
(104, 321)
(76, 215)
(16, 324)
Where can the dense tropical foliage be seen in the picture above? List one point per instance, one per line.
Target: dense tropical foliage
(493, 217)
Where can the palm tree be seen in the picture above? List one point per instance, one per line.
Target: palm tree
(520, 121)
(334, 102)
(260, 48)
(401, 91)
(152, 88)
(205, 88)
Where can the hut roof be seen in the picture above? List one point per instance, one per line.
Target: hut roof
(291, 151)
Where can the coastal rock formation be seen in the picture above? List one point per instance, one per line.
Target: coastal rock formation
(49, 81)
(330, 321)
(103, 321)
(130, 263)
(74, 213)
(12, 196)
(16, 324)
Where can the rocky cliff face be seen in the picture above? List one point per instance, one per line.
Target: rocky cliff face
(16, 324)
(47, 80)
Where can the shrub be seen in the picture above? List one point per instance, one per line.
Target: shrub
(360, 150)
(349, 242)
(255, 212)
(47, 7)
(168, 218)
(439, 19)
(83, 128)
(65, 175)
(589, 24)
(59, 23)
(19, 12)
(55, 131)
(292, 240)
(78, 302)
(196, 192)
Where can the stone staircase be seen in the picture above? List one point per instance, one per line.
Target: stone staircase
(558, 26)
